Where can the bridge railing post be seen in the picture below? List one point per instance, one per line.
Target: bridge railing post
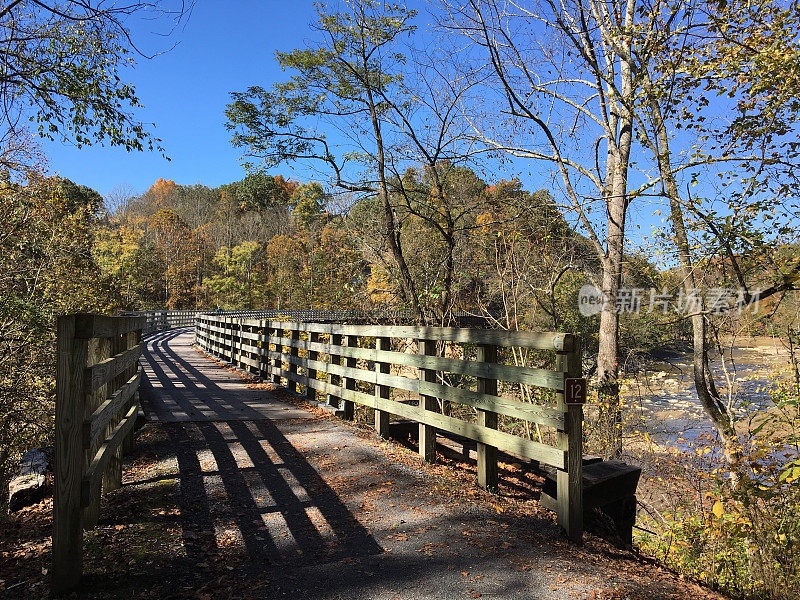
(487, 455)
(263, 350)
(348, 407)
(335, 339)
(311, 374)
(277, 363)
(569, 481)
(382, 392)
(427, 433)
(73, 356)
(293, 353)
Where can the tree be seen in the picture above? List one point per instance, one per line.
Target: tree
(62, 66)
(444, 199)
(47, 267)
(259, 191)
(178, 251)
(564, 72)
(235, 288)
(350, 82)
(747, 54)
(308, 204)
(286, 266)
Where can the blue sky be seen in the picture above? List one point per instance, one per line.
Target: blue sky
(223, 47)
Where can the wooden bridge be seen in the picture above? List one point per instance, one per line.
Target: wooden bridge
(431, 378)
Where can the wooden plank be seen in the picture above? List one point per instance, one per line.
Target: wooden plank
(93, 326)
(334, 359)
(293, 350)
(277, 364)
(504, 441)
(105, 413)
(569, 478)
(547, 416)
(526, 375)
(311, 374)
(512, 373)
(94, 474)
(349, 383)
(67, 554)
(100, 373)
(525, 339)
(263, 361)
(382, 391)
(551, 417)
(427, 434)
(487, 455)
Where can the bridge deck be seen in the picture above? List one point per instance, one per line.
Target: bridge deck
(264, 500)
(182, 385)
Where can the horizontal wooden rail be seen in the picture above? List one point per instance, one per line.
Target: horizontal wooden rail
(365, 365)
(90, 485)
(109, 410)
(97, 403)
(100, 373)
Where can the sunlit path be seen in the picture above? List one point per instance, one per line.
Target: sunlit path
(181, 384)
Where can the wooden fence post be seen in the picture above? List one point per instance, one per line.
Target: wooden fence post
(348, 408)
(263, 355)
(427, 433)
(236, 344)
(569, 482)
(487, 455)
(382, 391)
(293, 353)
(311, 374)
(112, 478)
(99, 350)
(277, 363)
(333, 379)
(69, 456)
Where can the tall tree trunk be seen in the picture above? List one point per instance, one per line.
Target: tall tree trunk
(610, 413)
(722, 418)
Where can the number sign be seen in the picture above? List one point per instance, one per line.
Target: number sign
(575, 391)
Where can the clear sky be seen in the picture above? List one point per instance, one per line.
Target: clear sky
(223, 47)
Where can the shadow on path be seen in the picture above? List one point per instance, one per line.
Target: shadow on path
(183, 385)
(242, 479)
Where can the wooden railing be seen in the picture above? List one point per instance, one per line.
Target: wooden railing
(97, 382)
(160, 320)
(354, 364)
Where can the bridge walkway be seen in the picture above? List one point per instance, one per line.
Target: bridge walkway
(298, 504)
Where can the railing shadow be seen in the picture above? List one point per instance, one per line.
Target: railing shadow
(186, 385)
(252, 498)
(280, 506)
